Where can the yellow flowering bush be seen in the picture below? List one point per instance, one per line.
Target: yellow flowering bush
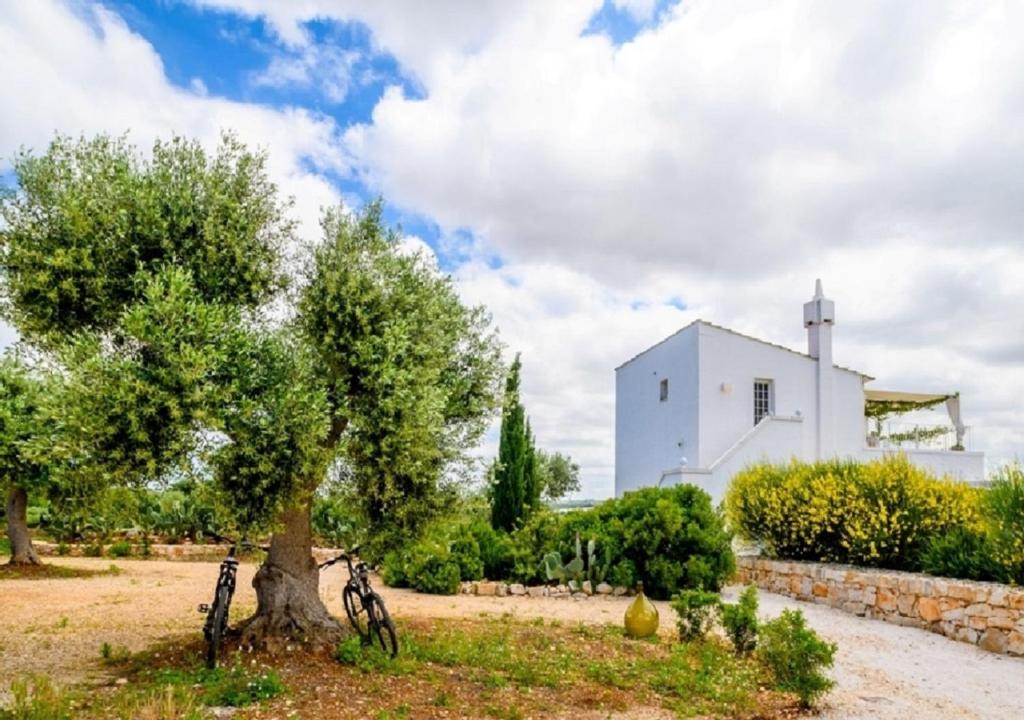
(880, 513)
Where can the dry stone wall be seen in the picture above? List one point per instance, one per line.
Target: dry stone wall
(989, 615)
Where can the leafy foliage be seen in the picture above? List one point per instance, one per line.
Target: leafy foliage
(91, 217)
(880, 513)
(26, 427)
(1003, 506)
(557, 475)
(410, 372)
(740, 620)
(797, 656)
(696, 611)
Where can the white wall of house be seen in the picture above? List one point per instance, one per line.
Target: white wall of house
(648, 430)
(770, 441)
(729, 365)
(960, 465)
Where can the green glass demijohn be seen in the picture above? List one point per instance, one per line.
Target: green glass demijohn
(641, 615)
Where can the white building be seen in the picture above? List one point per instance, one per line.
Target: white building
(706, 401)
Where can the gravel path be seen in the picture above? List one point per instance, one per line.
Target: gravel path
(883, 671)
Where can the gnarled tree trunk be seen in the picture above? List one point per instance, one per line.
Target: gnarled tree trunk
(287, 590)
(22, 552)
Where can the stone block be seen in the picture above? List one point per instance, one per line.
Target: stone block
(998, 597)
(928, 609)
(603, 589)
(855, 608)
(885, 600)
(502, 589)
(967, 635)
(587, 588)
(516, 589)
(1015, 643)
(905, 604)
(994, 640)
(487, 588)
(537, 591)
(619, 591)
(977, 622)
(978, 609)
(953, 615)
(1003, 622)
(819, 590)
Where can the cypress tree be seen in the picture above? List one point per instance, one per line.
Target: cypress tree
(531, 476)
(510, 472)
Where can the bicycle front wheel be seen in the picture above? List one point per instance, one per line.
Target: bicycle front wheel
(382, 626)
(357, 614)
(218, 623)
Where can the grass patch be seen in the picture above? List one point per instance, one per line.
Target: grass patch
(36, 698)
(47, 571)
(509, 658)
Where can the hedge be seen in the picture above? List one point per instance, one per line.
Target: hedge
(882, 513)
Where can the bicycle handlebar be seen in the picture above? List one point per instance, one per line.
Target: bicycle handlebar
(347, 555)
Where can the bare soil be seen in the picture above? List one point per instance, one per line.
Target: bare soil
(56, 626)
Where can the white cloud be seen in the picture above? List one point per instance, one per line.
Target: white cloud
(727, 156)
(331, 69)
(84, 71)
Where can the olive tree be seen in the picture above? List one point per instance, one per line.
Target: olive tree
(25, 425)
(157, 282)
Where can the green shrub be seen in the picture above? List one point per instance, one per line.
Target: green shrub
(392, 569)
(882, 513)
(537, 537)
(496, 552)
(740, 621)
(36, 699)
(696, 611)
(93, 550)
(1004, 512)
(963, 553)
(670, 538)
(336, 520)
(431, 569)
(796, 656)
(465, 552)
(238, 687)
(122, 548)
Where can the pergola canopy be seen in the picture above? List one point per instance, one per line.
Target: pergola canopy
(897, 396)
(880, 403)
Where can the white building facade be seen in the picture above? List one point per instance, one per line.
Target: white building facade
(705, 402)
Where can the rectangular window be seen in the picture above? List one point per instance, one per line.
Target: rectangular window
(663, 396)
(763, 400)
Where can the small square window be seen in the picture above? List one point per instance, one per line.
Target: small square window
(663, 396)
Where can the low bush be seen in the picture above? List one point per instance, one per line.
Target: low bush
(963, 553)
(392, 569)
(430, 568)
(740, 621)
(465, 552)
(796, 656)
(1003, 506)
(668, 538)
(882, 513)
(93, 550)
(120, 549)
(696, 611)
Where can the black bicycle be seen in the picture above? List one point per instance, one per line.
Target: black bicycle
(364, 607)
(216, 625)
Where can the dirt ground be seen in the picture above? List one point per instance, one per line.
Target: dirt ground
(882, 671)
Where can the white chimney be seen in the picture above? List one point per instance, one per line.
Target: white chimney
(819, 317)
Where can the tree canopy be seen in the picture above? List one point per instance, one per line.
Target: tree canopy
(155, 284)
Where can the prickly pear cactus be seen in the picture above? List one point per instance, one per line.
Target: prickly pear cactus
(641, 616)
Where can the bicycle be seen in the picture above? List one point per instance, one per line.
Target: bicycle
(216, 624)
(364, 607)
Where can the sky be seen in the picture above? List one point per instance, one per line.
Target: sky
(599, 173)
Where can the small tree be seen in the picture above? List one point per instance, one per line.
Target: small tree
(514, 471)
(24, 467)
(557, 474)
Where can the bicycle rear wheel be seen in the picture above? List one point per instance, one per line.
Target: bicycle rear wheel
(382, 627)
(357, 615)
(217, 624)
